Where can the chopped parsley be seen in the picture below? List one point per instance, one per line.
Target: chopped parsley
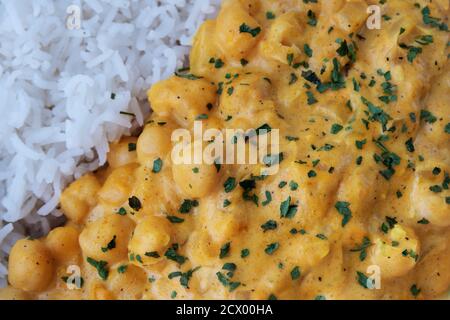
(268, 198)
(101, 267)
(229, 184)
(172, 254)
(360, 143)
(364, 281)
(293, 79)
(427, 116)
(295, 273)
(225, 250)
(152, 254)
(122, 269)
(175, 219)
(131, 147)
(423, 221)
(336, 128)
(271, 248)
(432, 21)
(187, 205)
(287, 210)
(308, 50)
(245, 253)
(270, 15)
(362, 248)
(311, 99)
(226, 282)
(343, 208)
(410, 145)
(157, 165)
(188, 76)
(389, 224)
(244, 28)
(415, 291)
(312, 20)
(269, 225)
(111, 245)
(135, 203)
(184, 276)
(122, 211)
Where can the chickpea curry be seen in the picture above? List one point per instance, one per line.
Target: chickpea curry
(360, 205)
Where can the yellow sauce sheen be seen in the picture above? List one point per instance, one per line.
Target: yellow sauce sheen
(321, 258)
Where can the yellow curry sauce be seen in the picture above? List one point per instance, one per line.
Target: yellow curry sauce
(363, 179)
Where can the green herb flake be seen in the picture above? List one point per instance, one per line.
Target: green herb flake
(336, 128)
(111, 245)
(245, 253)
(187, 205)
(122, 211)
(271, 248)
(244, 28)
(295, 273)
(157, 165)
(343, 208)
(131, 147)
(269, 225)
(415, 291)
(229, 184)
(122, 268)
(270, 15)
(135, 203)
(287, 210)
(225, 250)
(362, 248)
(175, 219)
(101, 267)
(171, 254)
(308, 50)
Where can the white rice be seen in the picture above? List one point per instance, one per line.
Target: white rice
(56, 88)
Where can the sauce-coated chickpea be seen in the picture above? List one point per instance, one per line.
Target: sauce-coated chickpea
(107, 238)
(30, 265)
(150, 239)
(63, 244)
(80, 197)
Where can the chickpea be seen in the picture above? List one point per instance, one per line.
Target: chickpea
(352, 16)
(427, 204)
(222, 225)
(233, 43)
(63, 244)
(30, 266)
(282, 36)
(80, 197)
(127, 281)
(433, 274)
(247, 100)
(182, 99)
(396, 254)
(194, 180)
(153, 142)
(122, 153)
(10, 293)
(201, 250)
(118, 185)
(107, 238)
(308, 251)
(203, 49)
(150, 239)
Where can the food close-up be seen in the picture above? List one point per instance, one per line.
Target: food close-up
(350, 199)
